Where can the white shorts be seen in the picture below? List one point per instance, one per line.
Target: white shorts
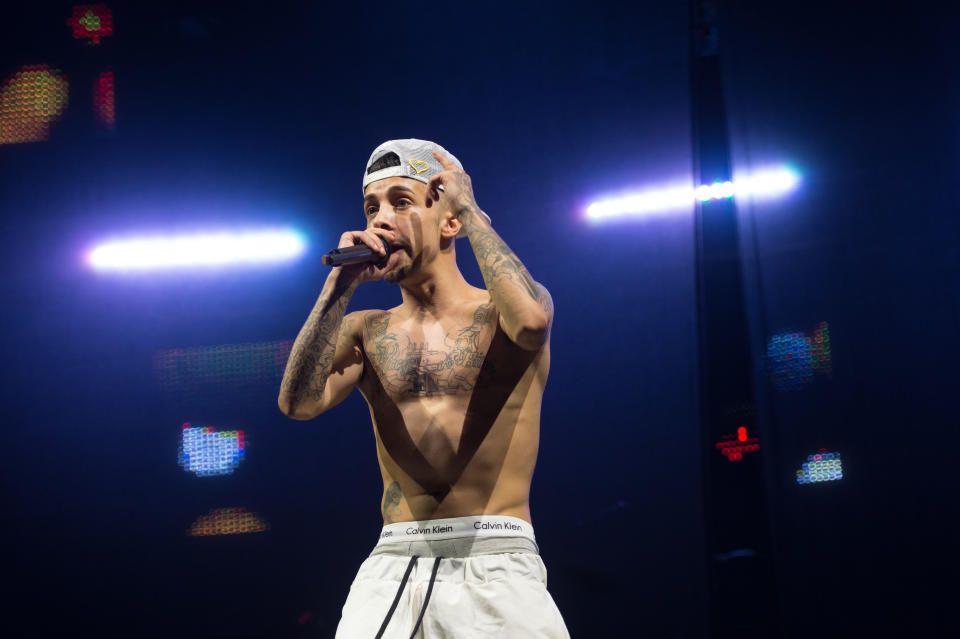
(463, 578)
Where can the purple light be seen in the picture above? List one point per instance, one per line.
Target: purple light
(200, 250)
(658, 200)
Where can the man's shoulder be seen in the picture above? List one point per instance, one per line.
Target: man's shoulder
(367, 322)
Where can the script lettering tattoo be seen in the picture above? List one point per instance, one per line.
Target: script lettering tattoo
(418, 369)
(311, 357)
(496, 259)
(391, 499)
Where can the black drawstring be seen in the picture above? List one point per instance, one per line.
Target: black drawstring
(426, 600)
(403, 582)
(396, 600)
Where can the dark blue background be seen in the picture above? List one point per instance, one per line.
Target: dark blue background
(243, 114)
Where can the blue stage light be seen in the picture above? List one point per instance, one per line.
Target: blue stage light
(207, 452)
(819, 467)
(764, 183)
(200, 250)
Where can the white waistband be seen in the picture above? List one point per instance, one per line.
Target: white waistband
(456, 527)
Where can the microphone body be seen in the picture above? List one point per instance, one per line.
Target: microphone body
(359, 254)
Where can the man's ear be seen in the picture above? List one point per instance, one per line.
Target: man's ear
(451, 225)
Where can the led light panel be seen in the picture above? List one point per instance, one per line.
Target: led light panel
(91, 22)
(30, 101)
(794, 358)
(227, 521)
(820, 467)
(733, 447)
(207, 452)
(187, 373)
(103, 102)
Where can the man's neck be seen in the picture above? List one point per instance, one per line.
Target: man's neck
(435, 291)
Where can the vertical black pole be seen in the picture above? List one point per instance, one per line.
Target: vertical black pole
(739, 562)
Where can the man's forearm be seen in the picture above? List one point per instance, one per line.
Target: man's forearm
(311, 357)
(521, 302)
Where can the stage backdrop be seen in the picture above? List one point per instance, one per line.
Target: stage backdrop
(153, 486)
(853, 300)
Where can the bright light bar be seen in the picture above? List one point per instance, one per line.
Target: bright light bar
(764, 183)
(198, 250)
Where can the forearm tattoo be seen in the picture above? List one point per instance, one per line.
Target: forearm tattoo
(311, 357)
(497, 261)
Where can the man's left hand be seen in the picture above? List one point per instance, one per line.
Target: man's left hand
(457, 187)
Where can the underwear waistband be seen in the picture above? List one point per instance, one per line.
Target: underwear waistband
(456, 528)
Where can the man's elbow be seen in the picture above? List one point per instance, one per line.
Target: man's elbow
(532, 336)
(297, 411)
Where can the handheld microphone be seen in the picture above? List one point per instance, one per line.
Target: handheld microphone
(359, 254)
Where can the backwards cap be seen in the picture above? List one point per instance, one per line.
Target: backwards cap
(408, 158)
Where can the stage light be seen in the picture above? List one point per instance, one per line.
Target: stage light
(227, 521)
(733, 446)
(819, 467)
(30, 102)
(794, 357)
(103, 104)
(644, 202)
(772, 182)
(192, 373)
(764, 183)
(203, 250)
(207, 452)
(91, 21)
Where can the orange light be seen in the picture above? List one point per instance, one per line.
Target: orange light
(30, 102)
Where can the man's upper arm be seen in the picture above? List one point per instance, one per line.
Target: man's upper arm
(546, 301)
(535, 337)
(347, 362)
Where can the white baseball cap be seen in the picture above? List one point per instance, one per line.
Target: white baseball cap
(410, 158)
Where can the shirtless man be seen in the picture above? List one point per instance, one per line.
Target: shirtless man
(453, 377)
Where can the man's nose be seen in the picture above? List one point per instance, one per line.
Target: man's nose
(383, 219)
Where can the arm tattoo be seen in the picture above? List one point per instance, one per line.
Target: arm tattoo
(311, 357)
(497, 261)
(391, 499)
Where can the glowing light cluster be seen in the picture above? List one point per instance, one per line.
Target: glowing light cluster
(207, 452)
(30, 102)
(820, 467)
(227, 521)
(764, 183)
(793, 358)
(91, 22)
(103, 103)
(200, 250)
(234, 368)
(733, 447)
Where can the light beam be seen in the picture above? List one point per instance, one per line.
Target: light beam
(771, 182)
(201, 250)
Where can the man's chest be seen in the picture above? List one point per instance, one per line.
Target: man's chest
(435, 359)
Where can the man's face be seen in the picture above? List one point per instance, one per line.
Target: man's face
(399, 204)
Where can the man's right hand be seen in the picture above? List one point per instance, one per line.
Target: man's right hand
(359, 273)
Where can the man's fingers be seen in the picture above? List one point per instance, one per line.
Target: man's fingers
(377, 240)
(444, 161)
(374, 240)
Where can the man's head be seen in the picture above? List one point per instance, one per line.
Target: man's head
(396, 198)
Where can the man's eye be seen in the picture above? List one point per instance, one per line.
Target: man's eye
(371, 210)
(404, 202)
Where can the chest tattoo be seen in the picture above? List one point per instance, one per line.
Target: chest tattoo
(421, 369)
